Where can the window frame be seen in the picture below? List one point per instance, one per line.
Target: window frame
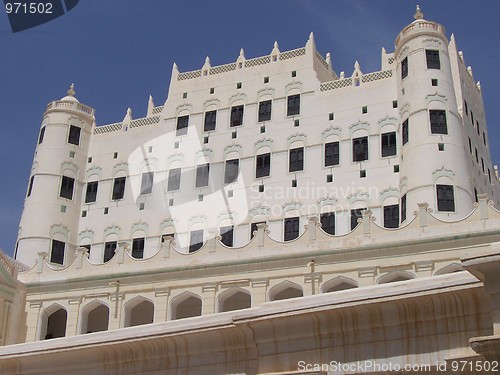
(390, 149)
(293, 105)
(209, 126)
(389, 220)
(405, 132)
(295, 232)
(67, 185)
(335, 156)
(147, 182)
(231, 170)
(404, 68)
(174, 179)
(355, 154)
(118, 188)
(298, 154)
(57, 250)
(41, 135)
(328, 216)
(356, 213)
(445, 205)
(182, 125)
(431, 61)
(202, 179)
(91, 195)
(109, 249)
(438, 128)
(227, 235)
(138, 245)
(195, 246)
(263, 168)
(265, 113)
(236, 115)
(74, 135)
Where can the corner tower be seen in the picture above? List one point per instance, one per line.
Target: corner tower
(433, 162)
(51, 213)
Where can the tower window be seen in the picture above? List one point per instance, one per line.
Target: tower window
(195, 240)
(293, 105)
(355, 215)
(389, 144)
(182, 125)
(138, 248)
(432, 57)
(91, 193)
(434, 82)
(42, 134)
(466, 108)
(210, 121)
(147, 183)
(403, 208)
(360, 149)
(364, 109)
(328, 222)
(174, 179)
(406, 132)
(331, 116)
(236, 115)
(438, 121)
(404, 68)
(57, 253)
(484, 138)
(118, 188)
(265, 110)
(109, 250)
(263, 165)
(67, 186)
(291, 228)
(470, 146)
(227, 235)
(30, 185)
(391, 216)
(232, 170)
(74, 135)
(296, 159)
(332, 153)
(445, 198)
(202, 173)
(266, 79)
(394, 104)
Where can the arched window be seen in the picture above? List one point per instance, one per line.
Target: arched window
(285, 290)
(53, 322)
(95, 317)
(185, 305)
(395, 276)
(337, 284)
(234, 299)
(139, 311)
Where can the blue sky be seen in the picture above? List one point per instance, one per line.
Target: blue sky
(119, 52)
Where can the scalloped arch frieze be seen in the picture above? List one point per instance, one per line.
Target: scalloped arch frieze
(59, 228)
(291, 206)
(389, 192)
(264, 143)
(211, 102)
(139, 226)
(122, 167)
(87, 233)
(403, 52)
(169, 222)
(265, 91)
(259, 211)
(112, 229)
(295, 85)
(432, 42)
(232, 148)
(199, 219)
(405, 108)
(237, 97)
(93, 171)
(67, 165)
(297, 137)
(360, 125)
(387, 121)
(436, 98)
(331, 131)
(183, 107)
(358, 196)
(149, 163)
(206, 154)
(327, 201)
(443, 172)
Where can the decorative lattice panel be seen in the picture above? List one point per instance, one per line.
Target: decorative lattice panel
(157, 110)
(376, 76)
(258, 61)
(390, 60)
(144, 121)
(189, 75)
(108, 128)
(338, 84)
(321, 60)
(293, 53)
(223, 68)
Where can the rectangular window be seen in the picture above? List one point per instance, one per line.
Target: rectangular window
(332, 153)
(202, 173)
(265, 110)
(438, 121)
(109, 250)
(118, 188)
(174, 179)
(406, 132)
(57, 253)
(42, 134)
(389, 144)
(293, 105)
(470, 146)
(291, 228)
(195, 240)
(74, 135)
(236, 116)
(445, 198)
(227, 235)
(432, 57)
(232, 170)
(210, 121)
(466, 108)
(355, 215)
(403, 208)
(138, 248)
(67, 186)
(391, 216)
(253, 228)
(296, 159)
(30, 185)
(182, 125)
(91, 193)
(404, 68)
(263, 165)
(147, 183)
(360, 149)
(328, 222)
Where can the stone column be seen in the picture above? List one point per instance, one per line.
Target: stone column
(73, 317)
(208, 303)
(115, 311)
(259, 291)
(33, 310)
(162, 297)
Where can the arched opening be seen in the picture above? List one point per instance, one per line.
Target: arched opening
(186, 305)
(450, 268)
(95, 319)
(56, 324)
(139, 312)
(337, 284)
(285, 290)
(236, 299)
(395, 276)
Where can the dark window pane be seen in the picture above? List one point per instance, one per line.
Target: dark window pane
(445, 198)
(109, 250)
(391, 216)
(355, 215)
(227, 235)
(232, 170)
(360, 149)
(67, 185)
(119, 188)
(91, 193)
(42, 134)
(30, 185)
(57, 253)
(236, 115)
(332, 153)
(174, 179)
(265, 111)
(263, 165)
(438, 121)
(210, 120)
(138, 248)
(182, 125)
(432, 57)
(404, 68)
(196, 240)
(296, 159)
(328, 222)
(388, 144)
(293, 105)
(403, 208)
(291, 228)
(202, 173)
(406, 132)
(74, 135)
(147, 183)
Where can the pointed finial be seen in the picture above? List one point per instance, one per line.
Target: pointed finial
(311, 36)
(275, 44)
(71, 90)
(242, 52)
(356, 65)
(207, 60)
(418, 14)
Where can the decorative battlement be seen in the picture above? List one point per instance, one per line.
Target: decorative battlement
(346, 82)
(420, 27)
(66, 105)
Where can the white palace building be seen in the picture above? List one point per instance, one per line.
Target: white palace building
(271, 217)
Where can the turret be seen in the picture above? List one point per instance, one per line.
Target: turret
(433, 163)
(49, 222)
